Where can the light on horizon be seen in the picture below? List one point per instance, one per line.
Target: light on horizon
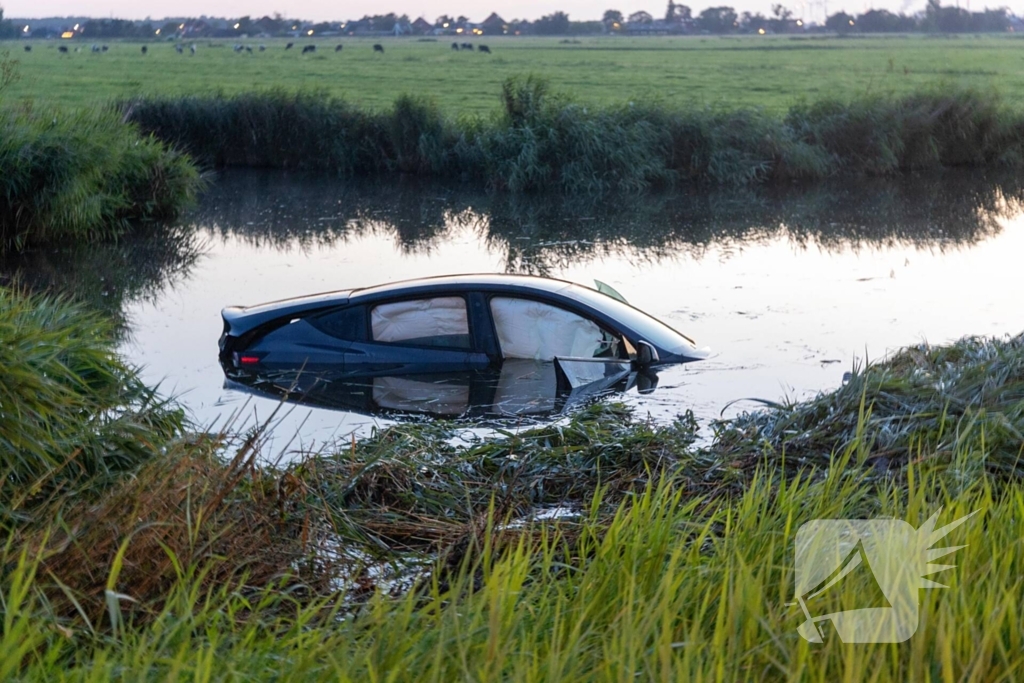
(309, 32)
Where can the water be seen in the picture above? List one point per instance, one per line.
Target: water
(789, 288)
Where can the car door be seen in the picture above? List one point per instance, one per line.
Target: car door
(416, 334)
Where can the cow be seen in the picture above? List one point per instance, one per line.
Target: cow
(467, 46)
(484, 48)
(263, 48)
(238, 48)
(309, 48)
(455, 46)
(338, 48)
(145, 49)
(179, 48)
(28, 48)
(248, 49)
(377, 47)
(289, 46)
(104, 48)
(192, 48)
(63, 49)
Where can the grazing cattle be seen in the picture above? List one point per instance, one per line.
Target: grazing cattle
(289, 46)
(94, 49)
(179, 48)
(238, 48)
(467, 46)
(28, 48)
(455, 46)
(484, 48)
(192, 48)
(63, 49)
(377, 47)
(145, 49)
(309, 48)
(104, 48)
(263, 48)
(338, 49)
(248, 49)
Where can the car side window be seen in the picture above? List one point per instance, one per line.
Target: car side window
(347, 323)
(540, 331)
(438, 322)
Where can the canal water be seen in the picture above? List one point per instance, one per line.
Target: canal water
(789, 288)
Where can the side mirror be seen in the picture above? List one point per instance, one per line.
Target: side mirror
(646, 354)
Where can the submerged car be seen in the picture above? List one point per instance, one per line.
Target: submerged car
(445, 344)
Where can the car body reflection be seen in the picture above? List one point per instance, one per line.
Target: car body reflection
(518, 388)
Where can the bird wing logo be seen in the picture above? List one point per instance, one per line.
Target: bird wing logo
(830, 552)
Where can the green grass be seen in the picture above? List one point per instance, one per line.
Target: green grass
(769, 72)
(83, 175)
(408, 556)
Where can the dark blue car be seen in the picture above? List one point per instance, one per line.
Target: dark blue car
(410, 333)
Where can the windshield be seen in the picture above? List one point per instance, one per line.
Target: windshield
(648, 328)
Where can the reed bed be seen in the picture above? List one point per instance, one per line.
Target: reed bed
(83, 175)
(412, 555)
(540, 139)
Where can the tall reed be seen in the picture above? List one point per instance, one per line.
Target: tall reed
(71, 175)
(538, 139)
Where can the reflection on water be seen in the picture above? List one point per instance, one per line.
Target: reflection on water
(542, 234)
(787, 286)
(516, 389)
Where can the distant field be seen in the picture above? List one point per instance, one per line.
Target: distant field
(772, 72)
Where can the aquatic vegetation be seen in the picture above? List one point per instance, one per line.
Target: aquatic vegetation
(72, 414)
(539, 140)
(73, 175)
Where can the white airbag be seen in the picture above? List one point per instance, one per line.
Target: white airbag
(419, 319)
(538, 331)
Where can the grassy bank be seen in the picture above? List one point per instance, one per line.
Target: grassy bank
(411, 556)
(67, 176)
(539, 139)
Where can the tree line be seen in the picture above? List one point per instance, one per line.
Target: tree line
(677, 19)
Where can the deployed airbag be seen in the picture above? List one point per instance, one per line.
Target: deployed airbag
(539, 331)
(427, 321)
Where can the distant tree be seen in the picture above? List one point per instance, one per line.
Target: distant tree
(780, 19)
(675, 13)
(881, 21)
(717, 20)
(552, 24)
(612, 16)
(640, 17)
(752, 23)
(7, 29)
(585, 28)
(442, 20)
(840, 22)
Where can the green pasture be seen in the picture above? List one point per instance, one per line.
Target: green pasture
(771, 72)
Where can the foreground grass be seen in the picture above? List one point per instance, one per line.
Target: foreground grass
(405, 557)
(753, 71)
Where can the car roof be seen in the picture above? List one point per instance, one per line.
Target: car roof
(460, 282)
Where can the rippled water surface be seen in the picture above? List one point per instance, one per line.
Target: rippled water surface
(789, 288)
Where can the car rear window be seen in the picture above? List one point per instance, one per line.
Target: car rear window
(347, 323)
(438, 322)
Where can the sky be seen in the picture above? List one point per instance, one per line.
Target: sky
(430, 9)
